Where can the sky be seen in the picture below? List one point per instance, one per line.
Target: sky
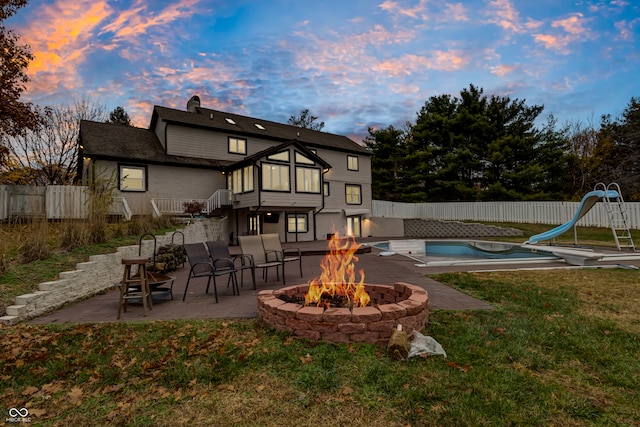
(355, 64)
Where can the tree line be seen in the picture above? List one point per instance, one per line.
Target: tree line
(473, 147)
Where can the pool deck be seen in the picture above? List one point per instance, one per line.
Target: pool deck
(198, 305)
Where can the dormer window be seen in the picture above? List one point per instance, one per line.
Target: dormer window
(259, 126)
(230, 121)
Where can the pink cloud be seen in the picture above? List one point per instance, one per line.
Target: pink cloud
(573, 25)
(416, 12)
(132, 23)
(626, 28)
(503, 70)
(60, 37)
(455, 12)
(504, 15)
(409, 64)
(574, 31)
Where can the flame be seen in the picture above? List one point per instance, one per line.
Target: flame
(338, 276)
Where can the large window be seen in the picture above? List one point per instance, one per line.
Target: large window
(353, 194)
(237, 145)
(301, 158)
(352, 163)
(297, 223)
(133, 178)
(242, 180)
(275, 177)
(307, 180)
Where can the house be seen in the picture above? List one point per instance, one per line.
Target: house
(260, 176)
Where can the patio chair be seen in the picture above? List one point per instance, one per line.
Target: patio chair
(202, 266)
(274, 251)
(252, 247)
(220, 249)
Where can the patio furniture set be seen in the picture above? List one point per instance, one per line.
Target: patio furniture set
(211, 260)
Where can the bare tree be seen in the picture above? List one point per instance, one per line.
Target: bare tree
(48, 155)
(306, 120)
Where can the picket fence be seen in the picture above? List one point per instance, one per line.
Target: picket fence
(70, 202)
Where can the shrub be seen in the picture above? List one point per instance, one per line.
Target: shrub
(35, 244)
(193, 207)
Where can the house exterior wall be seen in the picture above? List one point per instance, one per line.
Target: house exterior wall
(160, 133)
(167, 182)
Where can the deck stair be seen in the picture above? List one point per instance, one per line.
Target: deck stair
(618, 217)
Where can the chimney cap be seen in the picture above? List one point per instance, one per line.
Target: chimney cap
(193, 104)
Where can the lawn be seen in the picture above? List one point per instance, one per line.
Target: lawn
(560, 348)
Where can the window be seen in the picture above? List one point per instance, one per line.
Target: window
(282, 156)
(242, 180)
(297, 223)
(237, 145)
(275, 177)
(230, 121)
(352, 163)
(353, 226)
(352, 193)
(259, 126)
(133, 178)
(307, 180)
(325, 189)
(301, 158)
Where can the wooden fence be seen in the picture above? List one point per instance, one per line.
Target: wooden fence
(52, 202)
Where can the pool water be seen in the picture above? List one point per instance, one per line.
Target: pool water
(471, 250)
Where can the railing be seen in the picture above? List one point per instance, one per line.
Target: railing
(173, 206)
(121, 207)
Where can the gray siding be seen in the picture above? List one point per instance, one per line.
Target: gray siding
(169, 182)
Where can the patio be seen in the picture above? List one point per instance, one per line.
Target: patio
(198, 305)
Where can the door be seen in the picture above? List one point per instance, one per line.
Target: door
(353, 226)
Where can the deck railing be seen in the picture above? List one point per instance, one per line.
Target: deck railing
(176, 206)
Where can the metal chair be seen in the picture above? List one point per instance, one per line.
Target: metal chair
(202, 266)
(220, 249)
(273, 248)
(252, 246)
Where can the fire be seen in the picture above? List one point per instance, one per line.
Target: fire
(338, 278)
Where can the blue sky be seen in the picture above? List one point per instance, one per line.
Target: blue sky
(354, 63)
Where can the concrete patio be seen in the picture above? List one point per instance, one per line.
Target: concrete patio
(198, 305)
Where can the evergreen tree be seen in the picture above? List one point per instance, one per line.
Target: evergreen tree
(119, 117)
(387, 147)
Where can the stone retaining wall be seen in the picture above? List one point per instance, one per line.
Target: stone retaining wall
(100, 273)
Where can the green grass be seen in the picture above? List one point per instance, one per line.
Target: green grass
(560, 348)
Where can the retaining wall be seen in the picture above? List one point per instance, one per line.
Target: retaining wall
(100, 273)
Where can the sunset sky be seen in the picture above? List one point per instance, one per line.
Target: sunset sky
(354, 63)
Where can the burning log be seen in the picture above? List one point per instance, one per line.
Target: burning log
(337, 284)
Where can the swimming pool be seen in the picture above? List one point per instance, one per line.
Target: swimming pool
(449, 252)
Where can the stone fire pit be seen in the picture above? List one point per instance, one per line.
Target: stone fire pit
(401, 303)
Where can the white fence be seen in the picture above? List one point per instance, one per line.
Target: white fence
(51, 202)
(516, 212)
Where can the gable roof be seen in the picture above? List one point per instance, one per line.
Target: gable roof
(276, 149)
(246, 126)
(109, 141)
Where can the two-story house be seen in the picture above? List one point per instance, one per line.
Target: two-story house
(270, 177)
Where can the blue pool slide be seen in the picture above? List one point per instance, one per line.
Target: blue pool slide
(587, 202)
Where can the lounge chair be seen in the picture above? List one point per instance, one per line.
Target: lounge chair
(252, 246)
(202, 266)
(242, 262)
(274, 251)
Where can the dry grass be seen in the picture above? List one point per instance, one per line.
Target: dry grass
(607, 294)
